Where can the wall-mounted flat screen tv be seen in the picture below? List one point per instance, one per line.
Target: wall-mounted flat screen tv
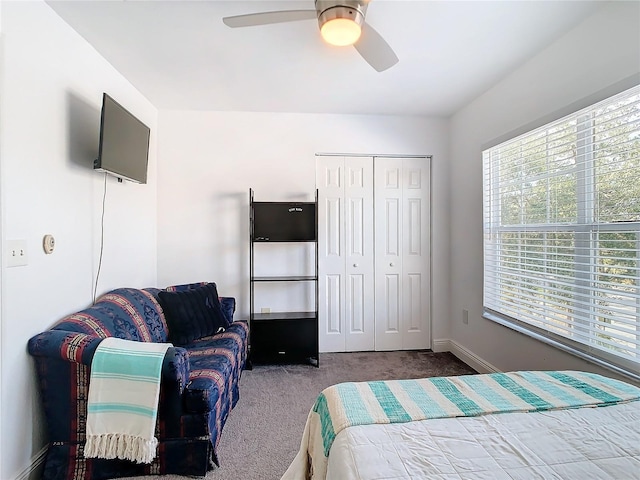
(124, 143)
(284, 221)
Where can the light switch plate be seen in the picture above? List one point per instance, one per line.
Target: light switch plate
(16, 253)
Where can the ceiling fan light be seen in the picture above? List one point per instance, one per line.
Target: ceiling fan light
(340, 25)
(341, 32)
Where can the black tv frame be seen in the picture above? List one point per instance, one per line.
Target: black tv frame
(135, 167)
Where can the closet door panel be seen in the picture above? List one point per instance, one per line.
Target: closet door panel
(402, 253)
(345, 191)
(332, 227)
(331, 253)
(356, 304)
(388, 246)
(359, 266)
(414, 228)
(392, 227)
(392, 303)
(333, 305)
(416, 255)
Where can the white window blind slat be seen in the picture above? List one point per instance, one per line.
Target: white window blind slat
(562, 232)
(624, 305)
(516, 266)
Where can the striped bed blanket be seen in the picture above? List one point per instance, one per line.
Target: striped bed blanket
(397, 401)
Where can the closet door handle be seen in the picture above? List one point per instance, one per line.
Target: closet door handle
(355, 264)
(391, 264)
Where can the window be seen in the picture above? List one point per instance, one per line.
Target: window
(562, 233)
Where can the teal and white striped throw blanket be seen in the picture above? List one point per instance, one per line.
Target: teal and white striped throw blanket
(397, 401)
(122, 407)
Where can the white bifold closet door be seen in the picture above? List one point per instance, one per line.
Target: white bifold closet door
(345, 253)
(374, 253)
(402, 253)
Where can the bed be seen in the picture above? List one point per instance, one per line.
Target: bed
(517, 425)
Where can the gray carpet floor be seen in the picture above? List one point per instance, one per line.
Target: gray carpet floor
(263, 432)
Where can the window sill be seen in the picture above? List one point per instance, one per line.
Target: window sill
(531, 332)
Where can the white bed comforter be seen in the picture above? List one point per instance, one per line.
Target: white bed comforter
(577, 444)
(423, 420)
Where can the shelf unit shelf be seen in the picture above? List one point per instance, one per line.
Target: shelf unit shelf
(290, 278)
(291, 335)
(290, 316)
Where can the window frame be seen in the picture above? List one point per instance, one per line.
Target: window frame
(586, 229)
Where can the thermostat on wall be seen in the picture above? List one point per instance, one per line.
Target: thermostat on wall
(48, 242)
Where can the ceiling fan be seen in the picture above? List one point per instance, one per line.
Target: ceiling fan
(341, 23)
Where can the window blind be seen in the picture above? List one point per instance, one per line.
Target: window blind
(561, 214)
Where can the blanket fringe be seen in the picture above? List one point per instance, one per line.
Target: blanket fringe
(120, 445)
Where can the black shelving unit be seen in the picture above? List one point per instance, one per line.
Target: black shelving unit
(283, 336)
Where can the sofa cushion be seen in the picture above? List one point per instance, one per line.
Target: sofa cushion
(129, 313)
(213, 362)
(192, 314)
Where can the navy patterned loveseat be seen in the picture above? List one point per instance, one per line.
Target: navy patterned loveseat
(199, 385)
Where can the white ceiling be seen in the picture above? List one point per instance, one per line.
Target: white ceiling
(180, 55)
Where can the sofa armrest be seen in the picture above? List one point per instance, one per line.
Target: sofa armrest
(80, 347)
(228, 305)
(175, 368)
(64, 345)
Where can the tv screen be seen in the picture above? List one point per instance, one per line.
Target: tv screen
(124, 143)
(284, 222)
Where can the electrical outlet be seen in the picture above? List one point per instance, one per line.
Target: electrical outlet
(465, 317)
(265, 310)
(16, 253)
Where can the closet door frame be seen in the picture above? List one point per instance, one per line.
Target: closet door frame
(347, 320)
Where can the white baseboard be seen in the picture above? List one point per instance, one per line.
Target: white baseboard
(34, 470)
(441, 345)
(467, 356)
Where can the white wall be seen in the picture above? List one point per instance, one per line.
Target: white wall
(51, 94)
(600, 52)
(50, 88)
(207, 162)
(2, 69)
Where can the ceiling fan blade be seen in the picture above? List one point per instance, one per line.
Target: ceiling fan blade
(375, 50)
(265, 18)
